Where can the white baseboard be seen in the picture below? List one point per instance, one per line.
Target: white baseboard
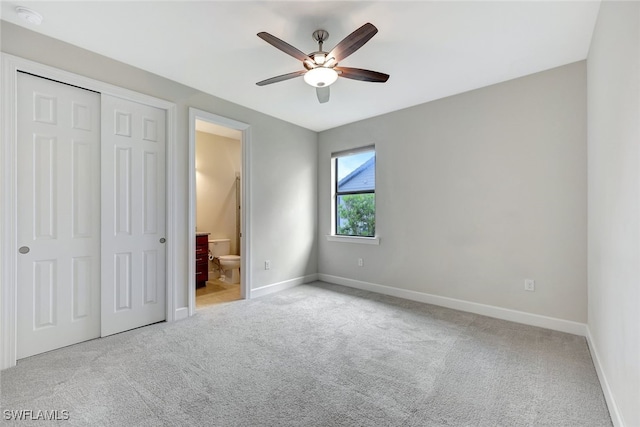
(616, 417)
(281, 286)
(181, 313)
(552, 323)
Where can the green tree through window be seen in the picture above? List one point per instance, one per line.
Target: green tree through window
(358, 212)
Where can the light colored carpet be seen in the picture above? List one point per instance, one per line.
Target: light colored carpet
(318, 355)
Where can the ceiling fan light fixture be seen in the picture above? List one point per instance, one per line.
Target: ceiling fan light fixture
(320, 68)
(321, 77)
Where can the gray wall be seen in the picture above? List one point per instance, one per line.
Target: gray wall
(283, 202)
(614, 202)
(475, 193)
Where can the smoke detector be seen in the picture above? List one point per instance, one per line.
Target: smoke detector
(29, 15)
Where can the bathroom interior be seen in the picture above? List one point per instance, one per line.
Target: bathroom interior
(218, 158)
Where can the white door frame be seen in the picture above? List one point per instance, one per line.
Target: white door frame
(245, 241)
(10, 65)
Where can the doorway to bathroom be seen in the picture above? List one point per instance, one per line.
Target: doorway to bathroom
(218, 151)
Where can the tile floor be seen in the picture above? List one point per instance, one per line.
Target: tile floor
(216, 292)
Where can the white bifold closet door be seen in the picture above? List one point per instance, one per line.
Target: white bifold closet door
(133, 215)
(58, 214)
(91, 215)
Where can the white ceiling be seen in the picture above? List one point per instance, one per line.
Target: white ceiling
(430, 49)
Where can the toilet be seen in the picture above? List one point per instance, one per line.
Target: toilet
(220, 248)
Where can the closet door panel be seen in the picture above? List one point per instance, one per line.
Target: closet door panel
(58, 215)
(133, 184)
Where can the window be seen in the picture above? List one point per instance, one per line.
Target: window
(354, 201)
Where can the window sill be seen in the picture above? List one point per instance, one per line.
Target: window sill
(351, 239)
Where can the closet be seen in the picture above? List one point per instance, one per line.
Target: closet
(90, 214)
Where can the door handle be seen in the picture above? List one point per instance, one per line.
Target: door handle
(24, 250)
(162, 240)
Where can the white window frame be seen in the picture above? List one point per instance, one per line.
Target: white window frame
(333, 237)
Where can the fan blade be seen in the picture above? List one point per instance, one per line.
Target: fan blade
(283, 46)
(281, 78)
(353, 42)
(323, 94)
(362, 75)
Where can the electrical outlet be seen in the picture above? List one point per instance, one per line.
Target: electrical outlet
(360, 262)
(267, 265)
(529, 285)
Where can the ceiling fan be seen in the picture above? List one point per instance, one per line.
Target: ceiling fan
(320, 67)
